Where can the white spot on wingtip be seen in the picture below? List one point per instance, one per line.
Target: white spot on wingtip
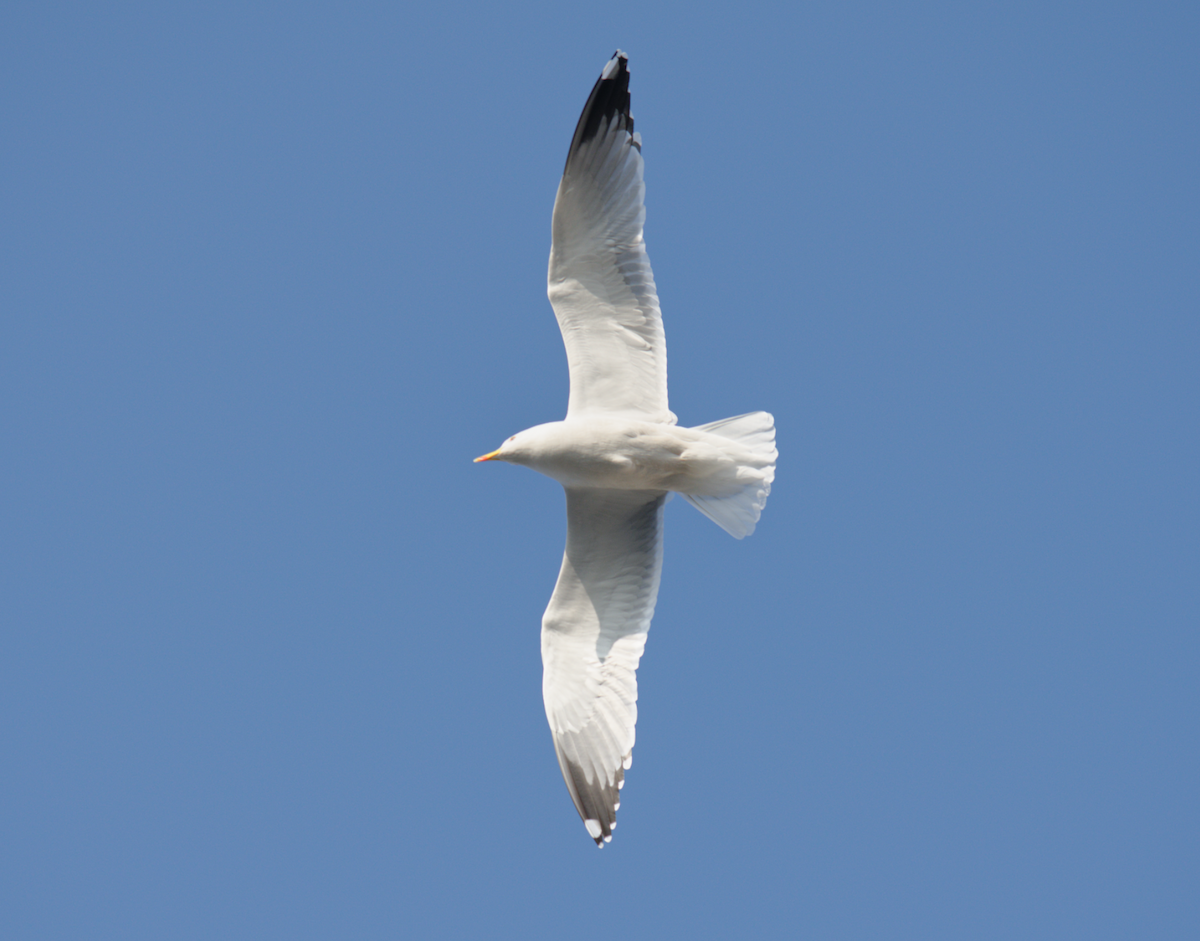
(620, 784)
(628, 762)
(616, 807)
(613, 826)
(593, 828)
(607, 839)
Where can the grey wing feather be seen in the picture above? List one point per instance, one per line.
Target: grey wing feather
(593, 635)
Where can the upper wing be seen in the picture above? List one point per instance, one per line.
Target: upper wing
(593, 634)
(600, 282)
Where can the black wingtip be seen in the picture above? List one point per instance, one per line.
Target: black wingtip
(609, 98)
(596, 801)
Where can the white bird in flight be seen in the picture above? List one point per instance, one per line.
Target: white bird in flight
(618, 454)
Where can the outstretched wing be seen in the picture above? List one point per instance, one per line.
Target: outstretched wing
(593, 634)
(600, 282)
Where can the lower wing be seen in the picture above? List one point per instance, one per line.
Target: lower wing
(593, 634)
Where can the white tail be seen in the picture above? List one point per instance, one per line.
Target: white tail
(738, 512)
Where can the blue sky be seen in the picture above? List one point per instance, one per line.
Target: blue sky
(273, 274)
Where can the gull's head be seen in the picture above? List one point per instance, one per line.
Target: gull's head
(525, 446)
(511, 451)
(498, 454)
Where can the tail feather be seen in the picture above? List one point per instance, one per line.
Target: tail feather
(738, 513)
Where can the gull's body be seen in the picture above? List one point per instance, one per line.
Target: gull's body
(627, 454)
(618, 454)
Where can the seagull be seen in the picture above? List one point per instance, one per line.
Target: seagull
(619, 454)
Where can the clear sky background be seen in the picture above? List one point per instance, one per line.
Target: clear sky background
(272, 274)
